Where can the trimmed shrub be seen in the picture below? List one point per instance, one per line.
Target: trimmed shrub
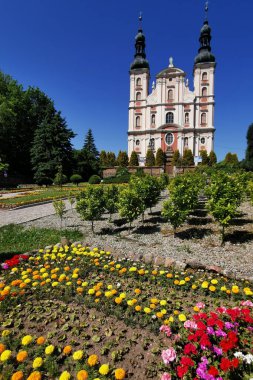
(94, 179)
(76, 178)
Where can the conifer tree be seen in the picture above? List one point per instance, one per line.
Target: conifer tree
(111, 159)
(88, 157)
(103, 159)
(188, 159)
(134, 159)
(122, 159)
(212, 158)
(248, 162)
(204, 156)
(150, 158)
(160, 157)
(176, 159)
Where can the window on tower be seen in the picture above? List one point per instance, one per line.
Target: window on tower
(170, 95)
(203, 118)
(202, 140)
(153, 119)
(138, 82)
(138, 121)
(204, 76)
(204, 91)
(186, 142)
(169, 118)
(138, 96)
(137, 142)
(186, 118)
(151, 144)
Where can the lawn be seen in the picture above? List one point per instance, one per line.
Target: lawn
(76, 313)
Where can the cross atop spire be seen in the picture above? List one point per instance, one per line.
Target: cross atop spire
(206, 10)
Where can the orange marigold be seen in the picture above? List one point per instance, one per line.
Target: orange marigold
(92, 360)
(22, 356)
(41, 340)
(67, 350)
(17, 376)
(82, 375)
(120, 374)
(35, 376)
(2, 347)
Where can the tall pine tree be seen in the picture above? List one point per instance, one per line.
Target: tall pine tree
(88, 160)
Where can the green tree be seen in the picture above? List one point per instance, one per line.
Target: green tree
(160, 157)
(111, 159)
(59, 207)
(248, 162)
(111, 197)
(231, 159)
(176, 158)
(122, 159)
(87, 159)
(76, 179)
(150, 158)
(134, 159)
(204, 156)
(103, 159)
(130, 205)
(187, 159)
(173, 213)
(51, 148)
(212, 158)
(90, 204)
(60, 178)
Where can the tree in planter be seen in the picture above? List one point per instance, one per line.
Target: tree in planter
(122, 159)
(90, 204)
(160, 157)
(204, 157)
(187, 159)
(212, 158)
(176, 158)
(60, 208)
(150, 158)
(134, 159)
(111, 197)
(130, 205)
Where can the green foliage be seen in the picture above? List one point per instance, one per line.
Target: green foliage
(60, 207)
(172, 213)
(103, 159)
(150, 158)
(187, 159)
(60, 178)
(134, 159)
(76, 179)
(212, 158)
(90, 204)
(148, 188)
(160, 157)
(176, 158)
(248, 162)
(119, 179)
(111, 197)
(94, 179)
(231, 159)
(122, 159)
(204, 157)
(130, 205)
(225, 195)
(111, 159)
(163, 180)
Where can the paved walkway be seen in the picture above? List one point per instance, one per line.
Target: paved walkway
(27, 214)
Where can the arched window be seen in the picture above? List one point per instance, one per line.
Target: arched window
(204, 91)
(203, 118)
(202, 140)
(170, 95)
(169, 118)
(152, 119)
(138, 96)
(186, 118)
(204, 76)
(137, 142)
(169, 138)
(151, 143)
(138, 121)
(138, 82)
(185, 141)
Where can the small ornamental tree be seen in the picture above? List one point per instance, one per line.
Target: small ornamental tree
(204, 156)
(134, 159)
(176, 159)
(172, 212)
(231, 159)
(188, 159)
(212, 158)
(130, 205)
(60, 178)
(122, 159)
(59, 207)
(111, 159)
(160, 157)
(111, 197)
(76, 179)
(90, 204)
(150, 158)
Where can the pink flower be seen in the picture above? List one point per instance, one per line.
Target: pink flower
(169, 355)
(247, 303)
(166, 376)
(166, 329)
(200, 305)
(190, 325)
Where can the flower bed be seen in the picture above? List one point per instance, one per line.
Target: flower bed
(85, 300)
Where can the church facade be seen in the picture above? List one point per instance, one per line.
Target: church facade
(171, 116)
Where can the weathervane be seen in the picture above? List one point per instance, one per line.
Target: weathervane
(206, 9)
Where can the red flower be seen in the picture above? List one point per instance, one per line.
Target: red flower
(235, 362)
(181, 371)
(213, 371)
(189, 348)
(225, 364)
(186, 361)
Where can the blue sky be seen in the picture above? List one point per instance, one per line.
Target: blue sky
(79, 53)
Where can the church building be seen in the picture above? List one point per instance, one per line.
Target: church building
(172, 116)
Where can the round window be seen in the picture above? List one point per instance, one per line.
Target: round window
(202, 140)
(169, 138)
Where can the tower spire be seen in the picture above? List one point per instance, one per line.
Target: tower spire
(140, 61)
(206, 11)
(204, 53)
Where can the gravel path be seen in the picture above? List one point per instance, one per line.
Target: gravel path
(198, 240)
(28, 214)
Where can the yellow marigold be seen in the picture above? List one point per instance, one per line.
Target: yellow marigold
(248, 291)
(154, 300)
(104, 369)
(169, 275)
(2, 347)
(34, 376)
(120, 374)
(235, 289)
(65, 376)
(182, 282)
(182, 317)
(82, 375)
(176, 312)
(214, 281)
(137, 291)
(196, 308)
(171, 319)
(49, 349)
(118, 300)
(22, 356)
(122, 295)
(205, 284)
(67, 350)
(5, 355)
(187, 279)
(91, 292)
(137, 308)
(194, 286)
(37, 363)
(159, 314)
(147, 310)
(176, 282)
(92, 360)
(5, 333)
(223, 288)
(163, 302)
(212, 288)
(27, 339)
(17, 375)
(41, 340)
(78, 355)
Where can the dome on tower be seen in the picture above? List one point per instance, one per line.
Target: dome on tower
(204, 53)
(140, 61)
